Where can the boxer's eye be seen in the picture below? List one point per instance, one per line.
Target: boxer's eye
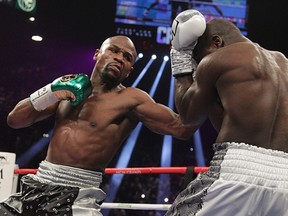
(128, 57)
(93, 124)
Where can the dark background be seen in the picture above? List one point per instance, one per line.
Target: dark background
(72, 30)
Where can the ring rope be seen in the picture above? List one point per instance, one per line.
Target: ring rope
(139, 170)
(136, 170)
(135, 206)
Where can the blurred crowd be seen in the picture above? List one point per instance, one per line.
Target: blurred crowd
(145, 189)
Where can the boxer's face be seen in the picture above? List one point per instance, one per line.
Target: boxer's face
(199, 53)
(115, 60)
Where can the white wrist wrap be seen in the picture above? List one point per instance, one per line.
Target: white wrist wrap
(43, 98)
(182, 62)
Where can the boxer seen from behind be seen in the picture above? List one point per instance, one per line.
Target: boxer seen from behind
(93, 116)
(242, 88)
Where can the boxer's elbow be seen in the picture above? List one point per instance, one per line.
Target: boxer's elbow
(185, 132)
(23, 115)
(15, 121)
(12, 121)
(184, 136)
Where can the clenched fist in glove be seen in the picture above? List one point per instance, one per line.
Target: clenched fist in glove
(187, 27)
(73, 87)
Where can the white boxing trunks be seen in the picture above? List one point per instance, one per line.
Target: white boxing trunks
(242, 180)
(57, 190)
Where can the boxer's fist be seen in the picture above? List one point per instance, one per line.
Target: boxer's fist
(73, 87)
(78, 84)
(187, 27)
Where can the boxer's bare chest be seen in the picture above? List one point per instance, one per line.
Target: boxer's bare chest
(99, 110)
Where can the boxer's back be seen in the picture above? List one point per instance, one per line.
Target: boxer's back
(254, 97)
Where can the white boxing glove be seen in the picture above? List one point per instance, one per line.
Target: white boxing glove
(187, 27)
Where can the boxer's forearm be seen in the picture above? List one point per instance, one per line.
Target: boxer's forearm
(24, 115)
(181, 86)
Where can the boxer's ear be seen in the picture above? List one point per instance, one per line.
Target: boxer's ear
(131, 69)
(218, 41)
(96, 54)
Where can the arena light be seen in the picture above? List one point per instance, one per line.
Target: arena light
(198, 149)
(153, 56)
(166, 155)
(24, 159)
(166, 58)
(167, 141)
(26, 5)
(127, 149)
(139, 56)
(37, 38)
(32, 19)
(157, 79)
(143, 72)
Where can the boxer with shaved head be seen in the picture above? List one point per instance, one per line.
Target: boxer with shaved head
(93, 117)
(242, 88)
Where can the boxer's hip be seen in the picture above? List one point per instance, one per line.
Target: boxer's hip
(242, 180)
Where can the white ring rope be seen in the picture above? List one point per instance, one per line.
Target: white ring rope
(135, 206)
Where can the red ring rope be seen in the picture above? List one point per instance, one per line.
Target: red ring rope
(139, 170)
